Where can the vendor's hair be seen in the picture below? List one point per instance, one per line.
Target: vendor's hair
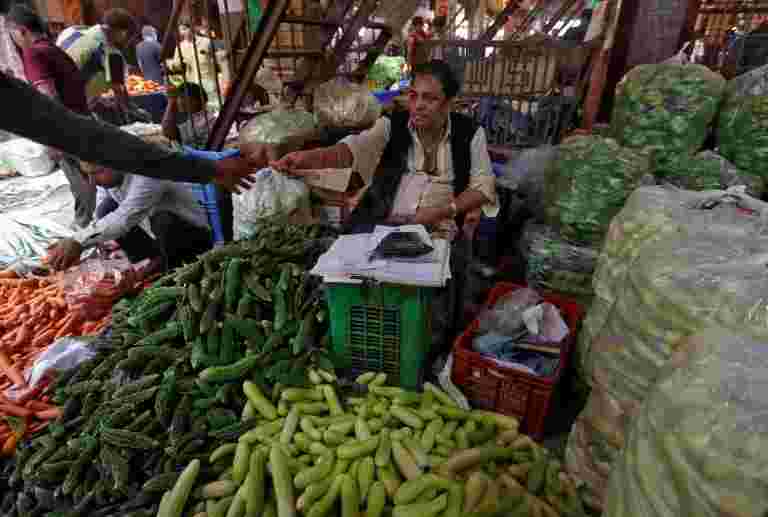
(119, 19)
(441, 71)
(194, 90)
(26, 17)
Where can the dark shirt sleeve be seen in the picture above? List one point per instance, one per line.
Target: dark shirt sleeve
(32, 115)
(37, 66)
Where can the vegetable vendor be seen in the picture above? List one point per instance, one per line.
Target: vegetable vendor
(97, 51)
(427, 166)
(128, 205)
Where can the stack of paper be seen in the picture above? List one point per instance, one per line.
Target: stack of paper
(350, 260)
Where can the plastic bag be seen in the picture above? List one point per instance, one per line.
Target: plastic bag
(506, 317)
(699, 445)
(274, 134)
(526, 174)
(64, 354)
(339, 103)
(93, 286)
(21, 238)
(26, 157)
(666, 108)
(742, 129)
(588, 184)
(674, 263)
(553, 263)
(272, 195)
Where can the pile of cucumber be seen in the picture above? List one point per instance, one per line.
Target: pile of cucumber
(166, 383)
(390, 452)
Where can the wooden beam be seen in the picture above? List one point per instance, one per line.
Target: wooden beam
(264, 33)
(169, 36)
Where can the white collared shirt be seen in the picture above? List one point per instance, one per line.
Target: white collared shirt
(138, 198)
(368, 147)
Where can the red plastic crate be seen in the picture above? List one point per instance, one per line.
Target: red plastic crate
(507, 390)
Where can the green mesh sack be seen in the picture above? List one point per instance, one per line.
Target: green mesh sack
(666, 108)
(742, 129)
(707, 171)
(587, 185)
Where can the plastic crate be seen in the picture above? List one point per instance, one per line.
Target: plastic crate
(507, 390)
(208, 194)
(382, 327)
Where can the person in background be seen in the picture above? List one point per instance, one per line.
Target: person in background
(98, 53)
(53, 73)
(148, 55)
(187, 119)
(416, 35)
(128, 205)
(194, 56)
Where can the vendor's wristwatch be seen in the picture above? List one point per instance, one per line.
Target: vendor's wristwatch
(454, 209)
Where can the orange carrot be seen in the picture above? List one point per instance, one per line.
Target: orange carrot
(9, 445)
(9, 409)
(49, 414)
(8, 369)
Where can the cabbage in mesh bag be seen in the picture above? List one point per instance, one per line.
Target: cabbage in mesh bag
(271, 135)
(742, 129)
(667, 108)
(339, 103)
(700, 443)
(709, 171)
(588, 184)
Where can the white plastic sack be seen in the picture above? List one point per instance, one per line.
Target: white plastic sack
(674, 263)
(699, 446)
(339, 103)
(26, 157)
(62, 355)
(272, 195)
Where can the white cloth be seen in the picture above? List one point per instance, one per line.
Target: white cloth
(138, 198)
(368, 147)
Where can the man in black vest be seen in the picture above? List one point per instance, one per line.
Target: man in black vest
(427, 166)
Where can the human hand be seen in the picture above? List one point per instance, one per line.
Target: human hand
(234, 174)
(63, 254)
(290, 162)
(55, 155)
(431, 216)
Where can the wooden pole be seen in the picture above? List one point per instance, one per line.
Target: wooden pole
(600, 60)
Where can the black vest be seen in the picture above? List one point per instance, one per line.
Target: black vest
(378, 200)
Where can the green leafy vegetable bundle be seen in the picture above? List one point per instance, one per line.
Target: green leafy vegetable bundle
(666, 108)
(588, 184)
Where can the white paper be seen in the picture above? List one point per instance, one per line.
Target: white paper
(350, 255)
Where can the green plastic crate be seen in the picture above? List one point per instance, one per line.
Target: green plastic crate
(382, 328)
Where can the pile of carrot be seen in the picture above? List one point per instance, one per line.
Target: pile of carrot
(33, 314)
(24, 417)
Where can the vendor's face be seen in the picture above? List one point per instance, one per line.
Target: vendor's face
(427, 103)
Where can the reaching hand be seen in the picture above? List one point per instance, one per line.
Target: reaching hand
(290, 162)
(234, 174)
(63, 254)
